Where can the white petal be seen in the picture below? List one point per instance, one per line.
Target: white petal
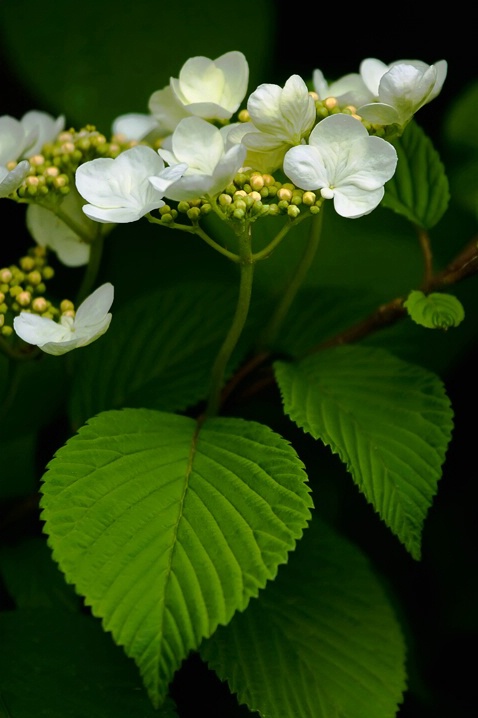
(320, 84)
(95, 307)
(297, 108)
(199, 80)
(49, 231)
(199, 144)
(236, 72)
(353, 203)
(118, 215)
(38, 330)
(10, 181)
(351, 90)
(304, 166)
(167, 109)
(42, 128)
(379, 113)
(168, 176)
(227, 168)
(337, 128)
(372, 71)
(12, 139)
(263, 106)
(134, 125)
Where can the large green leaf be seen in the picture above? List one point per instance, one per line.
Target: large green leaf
(110, 57)
(419, 188)
(160, 350)
(167, 530)
(390, 422)
(58, 664)
(322, 641)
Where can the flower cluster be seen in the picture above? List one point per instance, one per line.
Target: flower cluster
(202, 149)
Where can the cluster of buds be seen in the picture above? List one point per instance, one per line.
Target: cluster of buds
(52, 171)
(23, 288)
(188, 158)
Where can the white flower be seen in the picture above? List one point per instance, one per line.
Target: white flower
(10, 180)
(92, 319)
(348, 90)
(400, 89)
(135, 126)
(118, 190)
(26, 137)
(43, 126)
(70, 238)
(210, 89)
(210, 167)
(280, 119)
(344, 163)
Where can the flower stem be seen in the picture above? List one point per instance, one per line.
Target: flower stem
(272, 329)
(218, 371)
(96, 252)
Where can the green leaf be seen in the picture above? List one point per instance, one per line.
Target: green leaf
(113, 65)
(322, 641)
(434, 311)
(58, 664)
(419, 188)
(167, 530)
(390, 422)
(160, 350)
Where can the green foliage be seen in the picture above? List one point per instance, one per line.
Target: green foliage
(167, 529)
(435, 310)
(343, 397)
(419, 188)
(324, 618)
(92, 83)
(199, 503)
(167, 369)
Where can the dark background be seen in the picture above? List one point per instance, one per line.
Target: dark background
(439, 594)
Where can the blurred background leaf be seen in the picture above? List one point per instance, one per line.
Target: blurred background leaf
(78, 61)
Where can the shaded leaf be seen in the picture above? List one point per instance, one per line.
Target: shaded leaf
(419, 188)
(160, 350)
(114, 64)
(168, 531)
(33, 579)
(57, 664)
(321, 641)
(390, 422)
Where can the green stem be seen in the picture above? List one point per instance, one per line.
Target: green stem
(267, 251)
(272, 329)
(196, 229)
(222, 250)
(70, 222)
(92, 268)
(218, 371)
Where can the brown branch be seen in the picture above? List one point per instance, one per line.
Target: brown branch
(464, 265)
